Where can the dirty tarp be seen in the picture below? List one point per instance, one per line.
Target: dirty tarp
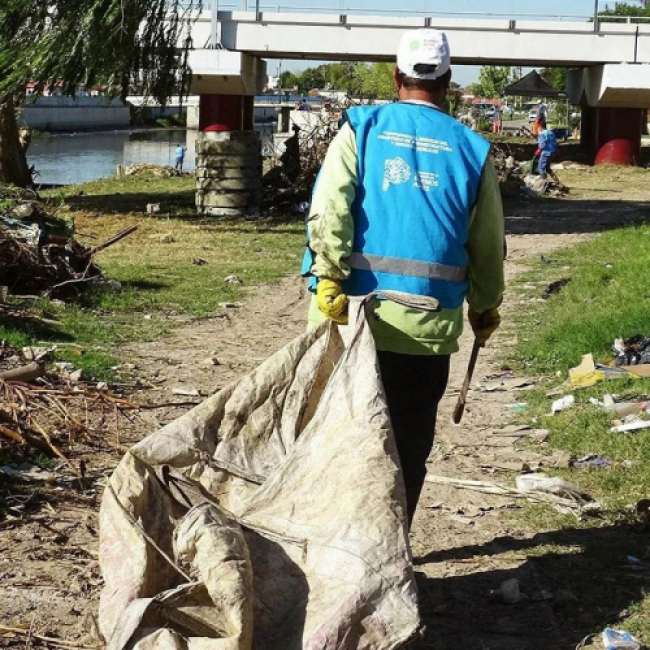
(272, 516)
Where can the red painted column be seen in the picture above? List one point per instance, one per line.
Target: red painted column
(613, 135)
(226, 113)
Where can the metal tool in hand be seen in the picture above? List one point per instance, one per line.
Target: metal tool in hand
(459, 411)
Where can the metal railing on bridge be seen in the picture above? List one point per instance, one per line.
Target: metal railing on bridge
(407, 8)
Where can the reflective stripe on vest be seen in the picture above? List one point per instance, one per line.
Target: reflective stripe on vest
(414, 268)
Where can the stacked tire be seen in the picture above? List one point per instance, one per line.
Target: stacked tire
(228, 173)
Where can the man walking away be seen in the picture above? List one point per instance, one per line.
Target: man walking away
(180, 157)
(546, 149)
(408, 200)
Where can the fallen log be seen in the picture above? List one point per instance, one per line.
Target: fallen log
(24, 373)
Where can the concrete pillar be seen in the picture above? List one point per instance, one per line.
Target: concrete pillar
(612, 135)
(228, 157)
(284, 119)
(226, 113)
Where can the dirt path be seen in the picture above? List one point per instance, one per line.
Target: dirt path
(464, 544)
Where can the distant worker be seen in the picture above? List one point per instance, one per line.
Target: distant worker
(304, 105)
(511, 111)
(407, 200)
(180, 157)
(546, 150)
(290, 158)
(542, 110)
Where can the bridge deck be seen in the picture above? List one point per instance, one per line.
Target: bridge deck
(472, 41)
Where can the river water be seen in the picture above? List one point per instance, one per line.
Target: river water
(65, 159)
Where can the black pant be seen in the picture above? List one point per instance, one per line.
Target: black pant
(414, 386)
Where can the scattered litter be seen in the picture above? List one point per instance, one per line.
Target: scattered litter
(633, 351)
(231, 305)
(153, 208)
(234, 279)
(197, 261)
(555, 287)
(504, 374)
(186, 392)
(563, 404)
(593, 461)
(212, 361)
(32, 353)
(540, 435)
(578, 503)
(585, 374)
(509, 384)
(28, 472)
(619, 640)
(519, 407)
(636, 425)
(545, 260)
(513, 430)
(623, 409)
(509, 592)
(549, 485)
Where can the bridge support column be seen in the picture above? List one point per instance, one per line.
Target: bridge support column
(613, 135)
(228, 157)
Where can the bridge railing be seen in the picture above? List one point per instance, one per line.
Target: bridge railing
(406, 8)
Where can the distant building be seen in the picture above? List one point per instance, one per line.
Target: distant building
(273, 83)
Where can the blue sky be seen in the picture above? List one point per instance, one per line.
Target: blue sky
(463, 74)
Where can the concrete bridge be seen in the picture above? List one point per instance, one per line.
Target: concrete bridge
(609, 59)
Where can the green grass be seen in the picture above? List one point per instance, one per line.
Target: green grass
(173, 268)
(608, 297)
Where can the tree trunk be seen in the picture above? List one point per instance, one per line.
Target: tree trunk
(13, 161)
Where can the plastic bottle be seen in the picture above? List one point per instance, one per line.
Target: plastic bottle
(623, 409)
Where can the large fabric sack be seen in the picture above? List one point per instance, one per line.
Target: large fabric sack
(270, 517)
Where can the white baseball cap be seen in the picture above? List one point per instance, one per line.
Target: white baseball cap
(424, 47)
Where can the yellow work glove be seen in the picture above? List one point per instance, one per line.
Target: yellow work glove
(332, 301)
(484, 324)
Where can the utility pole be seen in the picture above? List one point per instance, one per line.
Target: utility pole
(596, 20)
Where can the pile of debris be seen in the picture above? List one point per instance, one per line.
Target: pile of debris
(38, 252)
(48, 411)
(518, 179)
(294, 164)
(146, 169)
(293, 167)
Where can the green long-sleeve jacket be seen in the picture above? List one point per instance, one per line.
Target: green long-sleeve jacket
(397, 328)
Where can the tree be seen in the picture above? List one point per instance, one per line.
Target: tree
(494, 79)
(555, 77)
(476, 89)
(78, 43)
(312, 78)
(379, 82)
(288, 80)
(639, 8)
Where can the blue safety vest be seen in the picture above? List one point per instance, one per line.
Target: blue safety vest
(419, 177)
(547, 142)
